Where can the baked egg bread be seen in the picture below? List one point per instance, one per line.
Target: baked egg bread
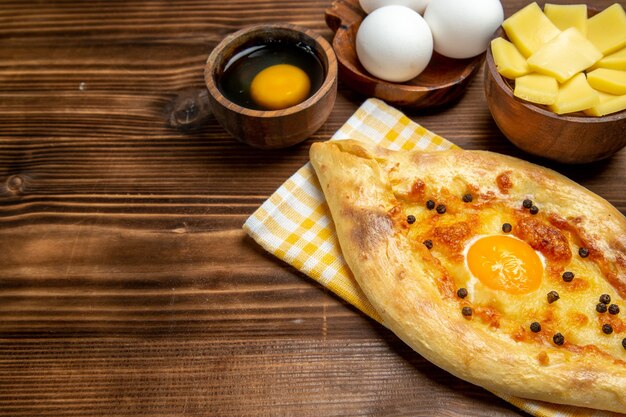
(502, 272)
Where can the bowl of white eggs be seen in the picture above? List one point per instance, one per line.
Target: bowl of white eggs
(413, 54)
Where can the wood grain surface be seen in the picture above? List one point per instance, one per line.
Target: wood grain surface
(127, 286)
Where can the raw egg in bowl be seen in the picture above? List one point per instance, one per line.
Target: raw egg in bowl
(272, 86)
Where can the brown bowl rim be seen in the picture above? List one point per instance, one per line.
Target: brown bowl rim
(503, 85)
(323, 90)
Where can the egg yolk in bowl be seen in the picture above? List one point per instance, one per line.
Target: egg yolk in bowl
(280, 86)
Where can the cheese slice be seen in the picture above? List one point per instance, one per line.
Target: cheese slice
(508, 59)
(529, 29)
(608, 80)
(565, 55)
(575, 95)
(608, 104)
(617, 60)
(607, 29)
(536, 88)
(565, 16)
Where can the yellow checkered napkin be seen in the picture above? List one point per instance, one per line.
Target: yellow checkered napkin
(295, 225)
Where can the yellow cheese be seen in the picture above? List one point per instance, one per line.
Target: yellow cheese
(575, 95)
(536, 88)
(565, 55)
(617, 60)
(567, 15)
(509, 61)
(529, 29)
(608, 80)
(609, 104)
(607, 29)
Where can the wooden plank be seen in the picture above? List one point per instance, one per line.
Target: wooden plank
(127, 286)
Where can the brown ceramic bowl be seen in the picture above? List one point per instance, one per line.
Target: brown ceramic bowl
(572, 138)
(442, 82)
(275, 128)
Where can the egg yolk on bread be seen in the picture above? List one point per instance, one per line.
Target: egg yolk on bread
(505, 263)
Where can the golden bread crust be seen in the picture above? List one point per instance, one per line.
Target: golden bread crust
(371, 190)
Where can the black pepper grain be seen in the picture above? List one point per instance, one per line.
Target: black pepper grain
(467, 198)
(624, 342)
(601, 308)
(605, 299)
(583, 252)
(410, 219)
(607, 329)
(430, 204)
(614, 309)
(462, 292)
(466, 311)
(535, 327)
(506, 227)
(558, 339)
(428, 243)
(553, 296)
(441, 209)
(534, 210)
(527, 203)
(568, 276)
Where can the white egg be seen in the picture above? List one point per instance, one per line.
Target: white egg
(463, 28)
(394, 43)
(370, 5)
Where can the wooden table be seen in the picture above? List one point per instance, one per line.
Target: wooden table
(127, 286)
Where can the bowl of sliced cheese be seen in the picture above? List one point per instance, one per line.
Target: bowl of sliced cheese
(555, 81)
